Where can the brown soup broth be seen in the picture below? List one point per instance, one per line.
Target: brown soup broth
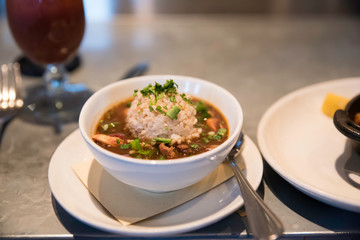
(117, 115)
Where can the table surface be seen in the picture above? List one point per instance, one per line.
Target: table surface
(257, 58)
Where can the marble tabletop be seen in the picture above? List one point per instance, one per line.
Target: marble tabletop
(257, 58)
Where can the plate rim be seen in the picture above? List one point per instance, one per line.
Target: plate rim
(236, 203)
(308, 189)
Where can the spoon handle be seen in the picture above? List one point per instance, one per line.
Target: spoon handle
(264, 224)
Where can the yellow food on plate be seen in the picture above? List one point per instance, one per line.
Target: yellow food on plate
(332, 103)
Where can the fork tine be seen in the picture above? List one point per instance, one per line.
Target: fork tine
(18, 85)
(11, 86)
(4, 86)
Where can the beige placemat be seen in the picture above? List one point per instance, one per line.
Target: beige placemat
(130, 204)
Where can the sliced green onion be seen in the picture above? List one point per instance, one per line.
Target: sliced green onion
(164, 140)
(158, 108)
(172, 99)
(151, 108)
(194, 145)
(125, 146)
(117, 141)
(135, 144)
(135, 92)
(146, 152)
(221, 132)
(215, 137)
(173, 112)
(160, 96)
(205, 140)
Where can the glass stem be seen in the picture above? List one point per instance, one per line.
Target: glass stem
(56, 78)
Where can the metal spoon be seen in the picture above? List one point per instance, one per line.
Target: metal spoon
(264, 224)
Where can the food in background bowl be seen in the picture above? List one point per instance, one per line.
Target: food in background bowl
(161, 123)
(167, 174)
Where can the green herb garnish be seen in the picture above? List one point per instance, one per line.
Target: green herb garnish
(125, 146)
(221, 132)
(205, 140)
(194, 145)
(203, 110)
(172, 99)
(135, 144)
(164, 140)
(146, 152)
(159, 90)
(158, 108)
(183, 96)
(173, 112)
(135, 92)
(117, 141)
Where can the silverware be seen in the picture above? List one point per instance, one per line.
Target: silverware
(263, 223)
(137, 70)
(10, 94)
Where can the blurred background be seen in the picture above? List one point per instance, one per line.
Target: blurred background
(101, 9)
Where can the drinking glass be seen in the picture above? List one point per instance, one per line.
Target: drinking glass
(49, 33)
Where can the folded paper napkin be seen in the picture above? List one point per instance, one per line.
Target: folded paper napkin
(130, 204)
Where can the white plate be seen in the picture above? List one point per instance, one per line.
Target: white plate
(302, 144)
(199, 212)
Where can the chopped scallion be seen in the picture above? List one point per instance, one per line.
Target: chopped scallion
(172, 99)
(160, 96)
(117, 141)
(125, 146)
(221, 132)
(173, 112)
(146, 152)
(164, 140)
(194, 145)
(135, 144)
(158, 108)
(205, 140)
(135, 92)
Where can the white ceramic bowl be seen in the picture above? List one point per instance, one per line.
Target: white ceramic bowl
(160, 175)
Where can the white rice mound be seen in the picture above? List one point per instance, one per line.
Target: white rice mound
(146, 124)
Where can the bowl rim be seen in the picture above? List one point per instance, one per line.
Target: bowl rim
(232, 137)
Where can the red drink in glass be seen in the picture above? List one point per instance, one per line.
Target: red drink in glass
(47, 31)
